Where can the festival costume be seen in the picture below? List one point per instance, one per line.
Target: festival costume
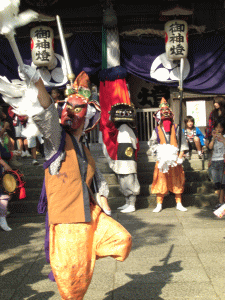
(120, 143)
(168, 174)
(73, 256)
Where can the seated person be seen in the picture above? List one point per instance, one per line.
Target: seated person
(194, 136)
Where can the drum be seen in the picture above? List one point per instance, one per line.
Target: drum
(13, 182)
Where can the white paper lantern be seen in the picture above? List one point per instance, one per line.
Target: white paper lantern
(176, 39)
(42, 46)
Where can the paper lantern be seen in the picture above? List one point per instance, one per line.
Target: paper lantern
(42, 46)
(176, 39)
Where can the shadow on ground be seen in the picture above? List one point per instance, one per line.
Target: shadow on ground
(148, 286)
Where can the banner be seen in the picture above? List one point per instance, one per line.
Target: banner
(145, 58)
(197, 110)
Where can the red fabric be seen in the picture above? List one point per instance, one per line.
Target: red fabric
(23, 119)
(167, 125)
(10, 112)
(22, 194)
(110, 93)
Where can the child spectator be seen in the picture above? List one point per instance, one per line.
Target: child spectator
(32, 144)
(194, 136)
(19, 122)
(217, 160)
(58, 100)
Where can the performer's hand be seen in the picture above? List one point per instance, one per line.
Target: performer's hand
(105, 204)
(32, 73)
(7, 167)
(180, 160)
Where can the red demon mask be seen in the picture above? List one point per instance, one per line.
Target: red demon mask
(166, 113)
(74, 112)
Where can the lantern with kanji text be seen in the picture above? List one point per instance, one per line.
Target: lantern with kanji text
(176, 39)
(42, 46)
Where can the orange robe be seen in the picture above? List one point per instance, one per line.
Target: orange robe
(76, 243)
(172, 181)
(74, 249)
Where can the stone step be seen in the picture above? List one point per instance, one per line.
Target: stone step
(196, 187)
(36, 181)
(144, 165)
(146, 177)
(25, 208)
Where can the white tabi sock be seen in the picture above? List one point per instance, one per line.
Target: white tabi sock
(181, 207)
(158, 208)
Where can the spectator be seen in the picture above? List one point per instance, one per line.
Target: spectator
(58, 100)
(6, 138)
(4, 199)
(4, 127)
(219, 111)
(217, 160)
(19, 122)
(32, 144)
(194, 136)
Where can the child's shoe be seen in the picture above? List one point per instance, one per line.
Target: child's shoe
(200, 155)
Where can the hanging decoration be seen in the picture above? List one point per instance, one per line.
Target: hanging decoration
(42, 46)
(176, 44)
(176, 39)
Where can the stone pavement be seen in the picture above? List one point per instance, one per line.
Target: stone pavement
(175, 255)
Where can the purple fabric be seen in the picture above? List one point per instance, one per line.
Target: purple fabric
(206, 56)
(42, 204)
(47, 256)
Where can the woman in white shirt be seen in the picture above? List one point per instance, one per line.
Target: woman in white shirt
(217, 161)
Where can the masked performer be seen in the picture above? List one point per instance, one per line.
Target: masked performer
(80, 232)
(168, 174)
(121, 125)
(120, 143)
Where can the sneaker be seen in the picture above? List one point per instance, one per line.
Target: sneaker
(28, 153)
(35, 162)
(200, 155)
